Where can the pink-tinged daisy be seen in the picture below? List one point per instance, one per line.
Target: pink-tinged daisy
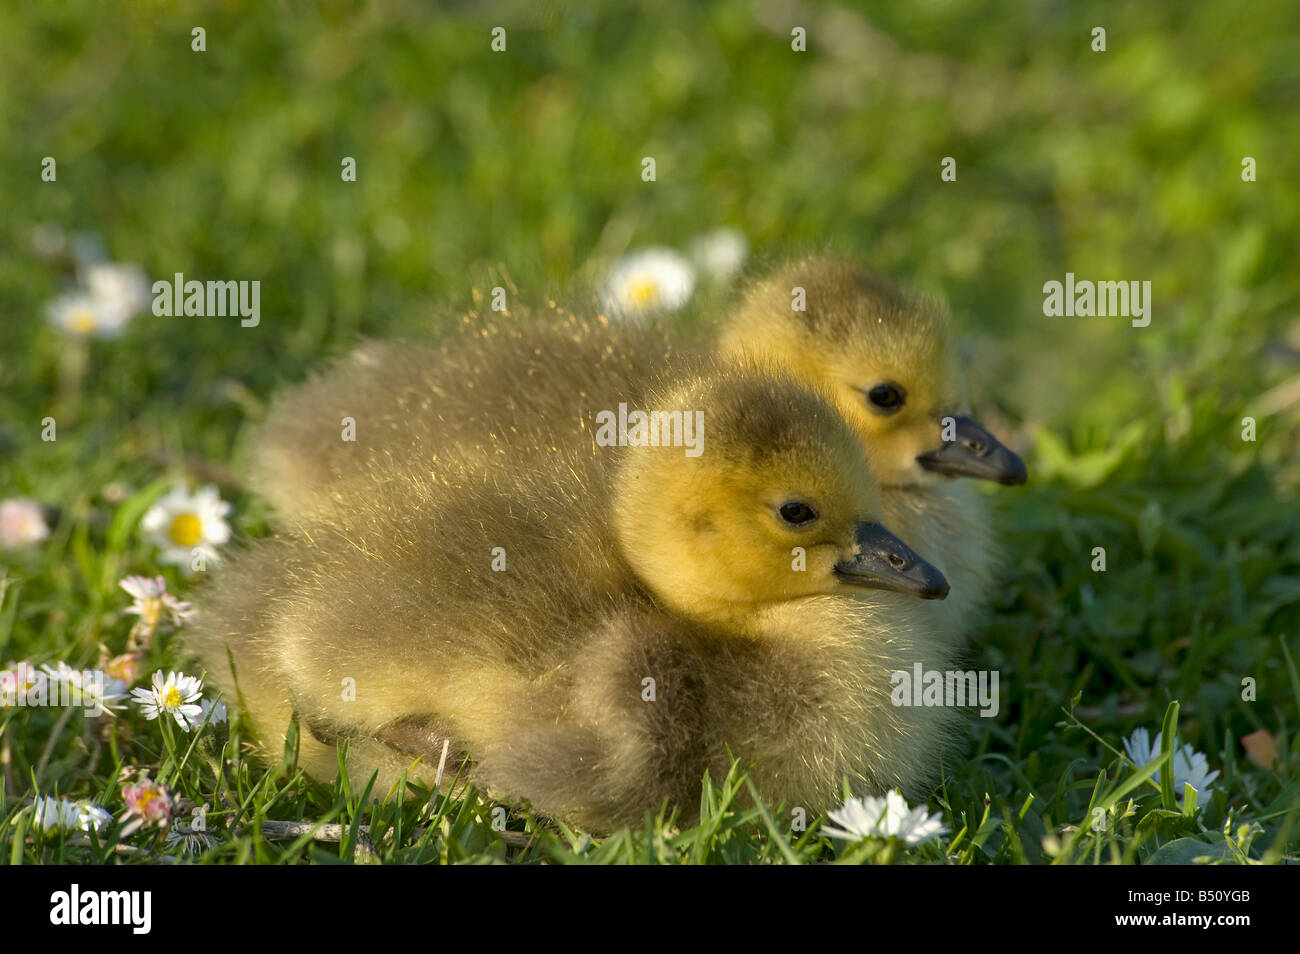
(177, 695)
(22, 523)
(182, 522)
(147, 805)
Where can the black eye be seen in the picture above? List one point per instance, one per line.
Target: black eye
(886, 398)
(797, 513)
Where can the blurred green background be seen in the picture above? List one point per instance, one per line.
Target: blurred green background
(225, 164)
(1124, 164)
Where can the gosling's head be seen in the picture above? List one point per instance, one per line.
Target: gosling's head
(886, 360)
(779, 503)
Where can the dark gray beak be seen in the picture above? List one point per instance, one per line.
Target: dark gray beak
(885, 562)
(975, 453)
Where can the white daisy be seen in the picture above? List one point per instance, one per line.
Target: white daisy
(1138, 747)
(651, 280)
(720, 252)
(182, 522)
(214, 713)
(51, 814)
(153, 604)
(887, 817)
(82, 315)
(177, 695)
(92, 816)
(123, 290)
(1190, 767)
(113, 698)
(22, 523)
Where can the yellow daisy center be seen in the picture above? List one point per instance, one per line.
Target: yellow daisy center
(643, 292)
(147, 796)
(186, 530)
(172, 698)
(82, 321)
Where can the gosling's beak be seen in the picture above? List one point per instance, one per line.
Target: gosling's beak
(975, 453)
(887, 563)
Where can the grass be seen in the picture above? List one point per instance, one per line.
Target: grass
(1123, 164)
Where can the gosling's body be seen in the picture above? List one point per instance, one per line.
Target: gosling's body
(622, 565)
(498, 390)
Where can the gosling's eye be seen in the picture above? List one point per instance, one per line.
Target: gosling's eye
(886, 398)
(797, 513)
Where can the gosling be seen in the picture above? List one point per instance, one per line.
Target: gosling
(887, 361)
(596, 627)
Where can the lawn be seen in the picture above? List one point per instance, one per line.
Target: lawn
(523, 167)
